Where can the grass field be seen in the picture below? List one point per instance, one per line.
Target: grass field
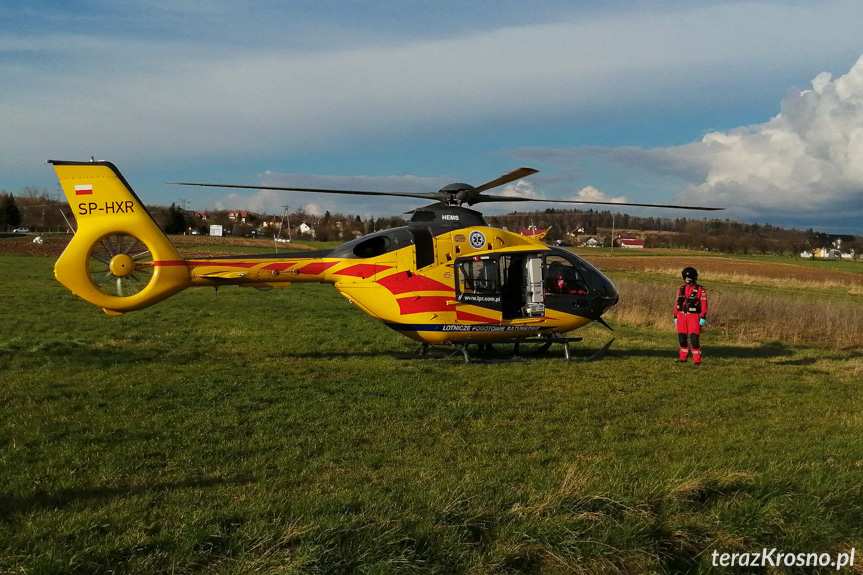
(247, 432)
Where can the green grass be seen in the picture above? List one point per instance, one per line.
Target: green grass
(271, 249)
(241, 432)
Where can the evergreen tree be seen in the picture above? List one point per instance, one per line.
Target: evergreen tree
(176, 220)
(10, 216)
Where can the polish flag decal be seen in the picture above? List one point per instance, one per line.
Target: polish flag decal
(86, 190)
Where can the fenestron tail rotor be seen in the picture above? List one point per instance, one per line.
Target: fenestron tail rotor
(120, 265)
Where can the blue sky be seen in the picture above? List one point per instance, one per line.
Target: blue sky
(757, 106)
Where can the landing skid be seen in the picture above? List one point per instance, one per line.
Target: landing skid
(429, 351)
(484, 352)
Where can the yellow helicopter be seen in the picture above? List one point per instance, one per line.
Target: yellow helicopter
(445, 278)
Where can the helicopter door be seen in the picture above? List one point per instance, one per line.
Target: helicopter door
(534, 294)
(478, 289)
(522, 294)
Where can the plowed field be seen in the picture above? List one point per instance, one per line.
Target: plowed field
(722, 266)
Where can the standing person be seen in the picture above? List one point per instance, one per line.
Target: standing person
(690, 313)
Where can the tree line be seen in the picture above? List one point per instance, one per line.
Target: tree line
(41, 210)
(687, 233)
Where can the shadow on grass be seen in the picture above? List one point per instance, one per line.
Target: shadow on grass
(825, 357)
(503, 352)
(765, 351)
(339, 354)
(11, 506)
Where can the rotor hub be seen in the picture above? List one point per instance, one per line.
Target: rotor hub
(457, 192)
(122, 265)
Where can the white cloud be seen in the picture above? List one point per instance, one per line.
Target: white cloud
(519, 189)
(261, 202)
(313, 209)
(804, 165)
(808, 158)
(591, 194)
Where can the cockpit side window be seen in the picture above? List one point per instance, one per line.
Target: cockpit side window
(562, 277)
(478, 276)
(374, 244)
(424, 246)
(371, 247)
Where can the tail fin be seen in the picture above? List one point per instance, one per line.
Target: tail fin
(119, 259)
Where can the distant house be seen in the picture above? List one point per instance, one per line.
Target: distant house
(826, 254)
(831, 246)
(630, 244)
(589, 241)
(306, 229)
(837, 242)
(202, 215)
(271, 222)
(241, 215)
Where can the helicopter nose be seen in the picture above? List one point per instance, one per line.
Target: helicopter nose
(605, 295)
(603, 303)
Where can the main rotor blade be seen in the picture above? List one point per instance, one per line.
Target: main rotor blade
(482, 199)
(422, 195)
(504, 179)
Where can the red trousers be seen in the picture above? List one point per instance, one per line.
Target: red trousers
(688, 324)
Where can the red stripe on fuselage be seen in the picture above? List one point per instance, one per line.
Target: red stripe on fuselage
(279, 267)
(425, 303)
(316, 268)
(465, 316)
(192, 263)
(361, 270)
(403, 283)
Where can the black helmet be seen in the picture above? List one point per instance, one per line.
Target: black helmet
(690, 273)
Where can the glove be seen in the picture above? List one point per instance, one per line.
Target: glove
(675, 321)
(702, 321)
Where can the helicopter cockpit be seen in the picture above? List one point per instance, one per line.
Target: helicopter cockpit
(375, 244)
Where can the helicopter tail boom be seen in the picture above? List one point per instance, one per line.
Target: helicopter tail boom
(119, 259)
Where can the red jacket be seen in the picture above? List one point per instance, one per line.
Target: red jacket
(686, 301)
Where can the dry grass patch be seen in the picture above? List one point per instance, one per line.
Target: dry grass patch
(750, 317)
(853, 283)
